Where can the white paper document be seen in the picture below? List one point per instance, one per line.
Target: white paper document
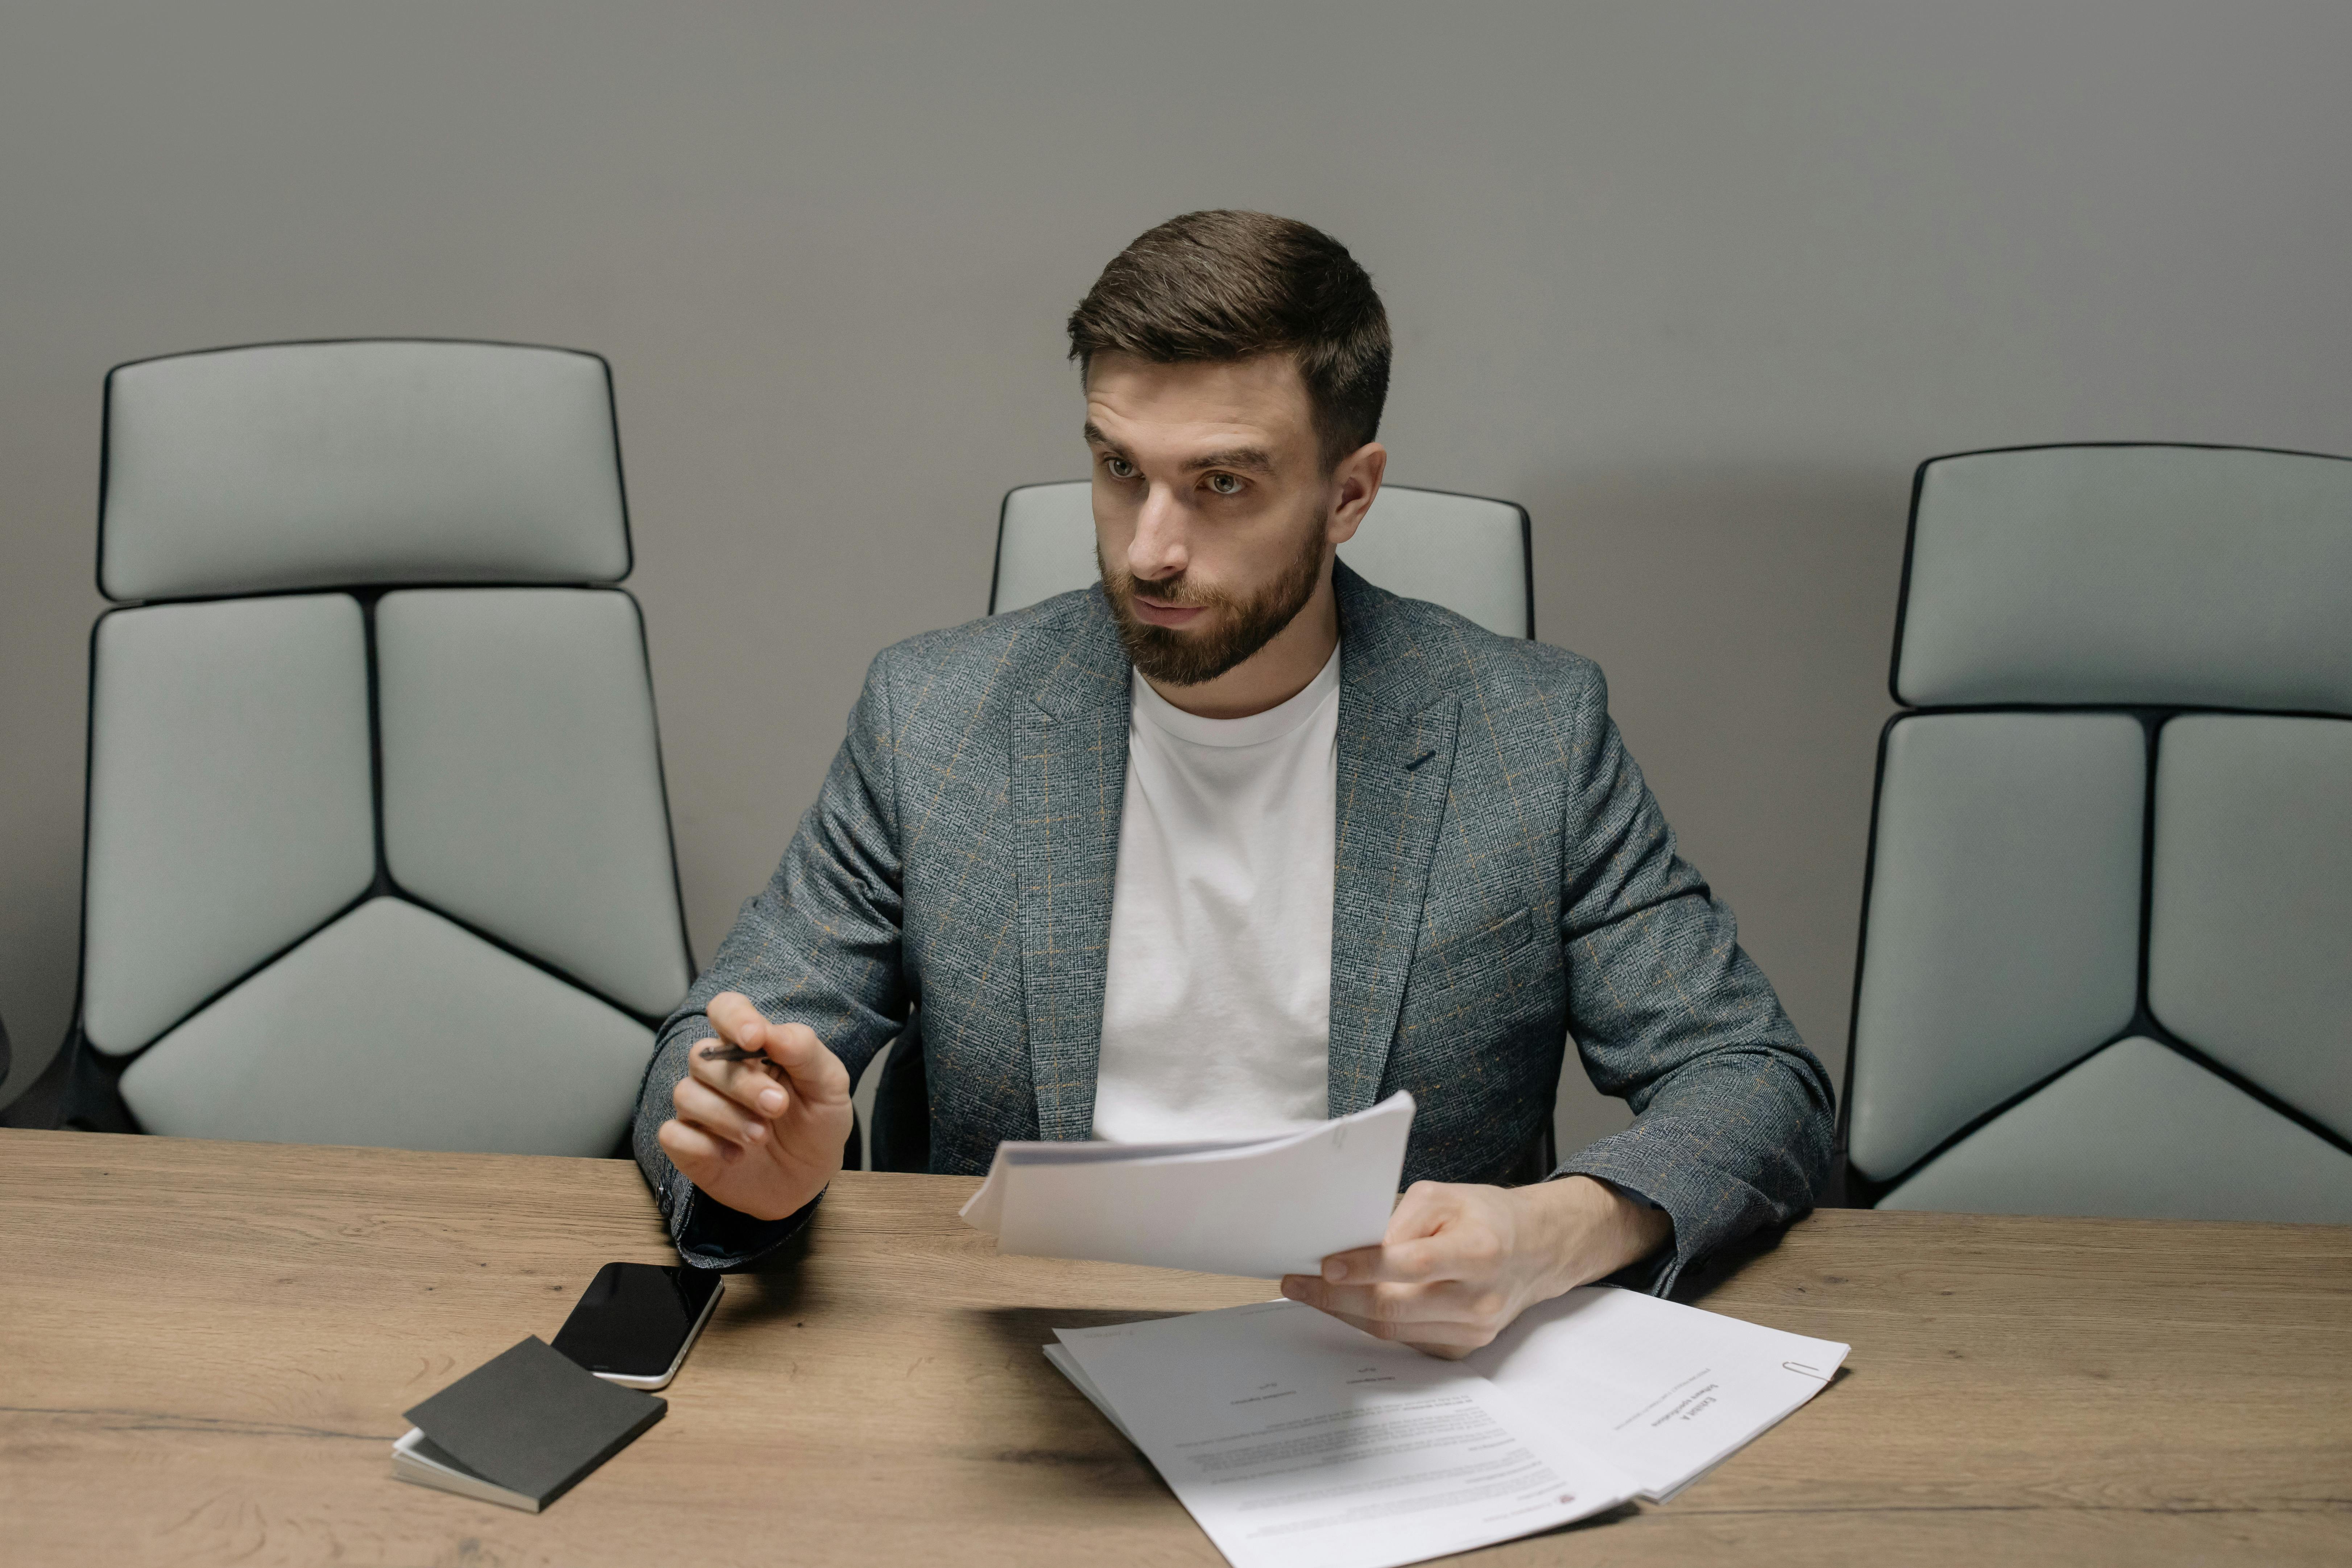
(1067, 1365)
(1298, 1442)
(1259, 1206)
(1663, 1391)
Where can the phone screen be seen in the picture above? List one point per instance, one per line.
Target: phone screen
(633, 1318)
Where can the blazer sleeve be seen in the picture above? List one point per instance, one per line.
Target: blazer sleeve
(818, 945)
(1733, 1116)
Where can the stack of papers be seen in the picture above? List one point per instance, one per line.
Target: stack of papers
(1258, 1207)
(1665, 1392)
(1295, 1439)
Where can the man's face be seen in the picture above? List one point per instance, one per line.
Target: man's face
(1213, 517)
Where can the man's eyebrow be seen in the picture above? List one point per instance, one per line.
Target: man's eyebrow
(1250, 459)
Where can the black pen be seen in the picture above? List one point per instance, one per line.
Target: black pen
(726, 1053)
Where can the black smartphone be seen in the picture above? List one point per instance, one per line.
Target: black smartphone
(635, 1322)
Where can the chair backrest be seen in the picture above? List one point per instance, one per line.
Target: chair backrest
(378, 850)
(1465, 553)
(2109, 899)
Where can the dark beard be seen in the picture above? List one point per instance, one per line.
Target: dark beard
(1165, 654)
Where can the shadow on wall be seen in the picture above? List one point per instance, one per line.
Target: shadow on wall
(40, 841)
(1745, 616)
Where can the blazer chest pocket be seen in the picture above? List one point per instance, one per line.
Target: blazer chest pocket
(1456, 968)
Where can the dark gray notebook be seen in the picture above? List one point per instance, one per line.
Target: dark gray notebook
(533, 1421)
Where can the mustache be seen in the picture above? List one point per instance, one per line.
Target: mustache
(1244, 626)
(1172, 592)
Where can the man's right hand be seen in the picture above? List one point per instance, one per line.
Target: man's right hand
(762, 1137)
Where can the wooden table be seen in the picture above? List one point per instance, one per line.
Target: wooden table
(204, 1349)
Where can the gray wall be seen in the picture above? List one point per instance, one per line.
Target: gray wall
(1698, 285)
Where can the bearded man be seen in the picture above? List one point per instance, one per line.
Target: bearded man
(1236, 840)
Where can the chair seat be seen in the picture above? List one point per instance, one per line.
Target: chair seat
(395, 1027)
(2138, 1131)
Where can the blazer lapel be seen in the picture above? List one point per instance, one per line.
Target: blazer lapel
(1069, 783)
(1396, 734)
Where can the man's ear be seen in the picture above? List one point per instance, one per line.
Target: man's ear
(1355, 482)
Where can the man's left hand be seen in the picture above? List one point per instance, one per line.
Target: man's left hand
(1460, 1263)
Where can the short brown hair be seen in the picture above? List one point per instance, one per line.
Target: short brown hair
(1223, 285)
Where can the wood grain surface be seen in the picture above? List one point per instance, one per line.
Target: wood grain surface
(204, 1349)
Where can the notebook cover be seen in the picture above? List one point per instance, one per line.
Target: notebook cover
(532, 1421)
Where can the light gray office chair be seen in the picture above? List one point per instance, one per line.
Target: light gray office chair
(378, 850)
(2106, 957)
(1472, 556)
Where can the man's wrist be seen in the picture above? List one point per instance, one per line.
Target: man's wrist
(1589, 1229)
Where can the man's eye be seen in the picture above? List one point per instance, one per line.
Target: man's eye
(1226, 484)
(1120, 469)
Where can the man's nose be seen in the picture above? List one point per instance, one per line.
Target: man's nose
(1158, 549)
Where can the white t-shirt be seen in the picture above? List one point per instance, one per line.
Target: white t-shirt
(1217, 999)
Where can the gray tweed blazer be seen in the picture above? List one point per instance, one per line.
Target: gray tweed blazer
(1505, 883)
